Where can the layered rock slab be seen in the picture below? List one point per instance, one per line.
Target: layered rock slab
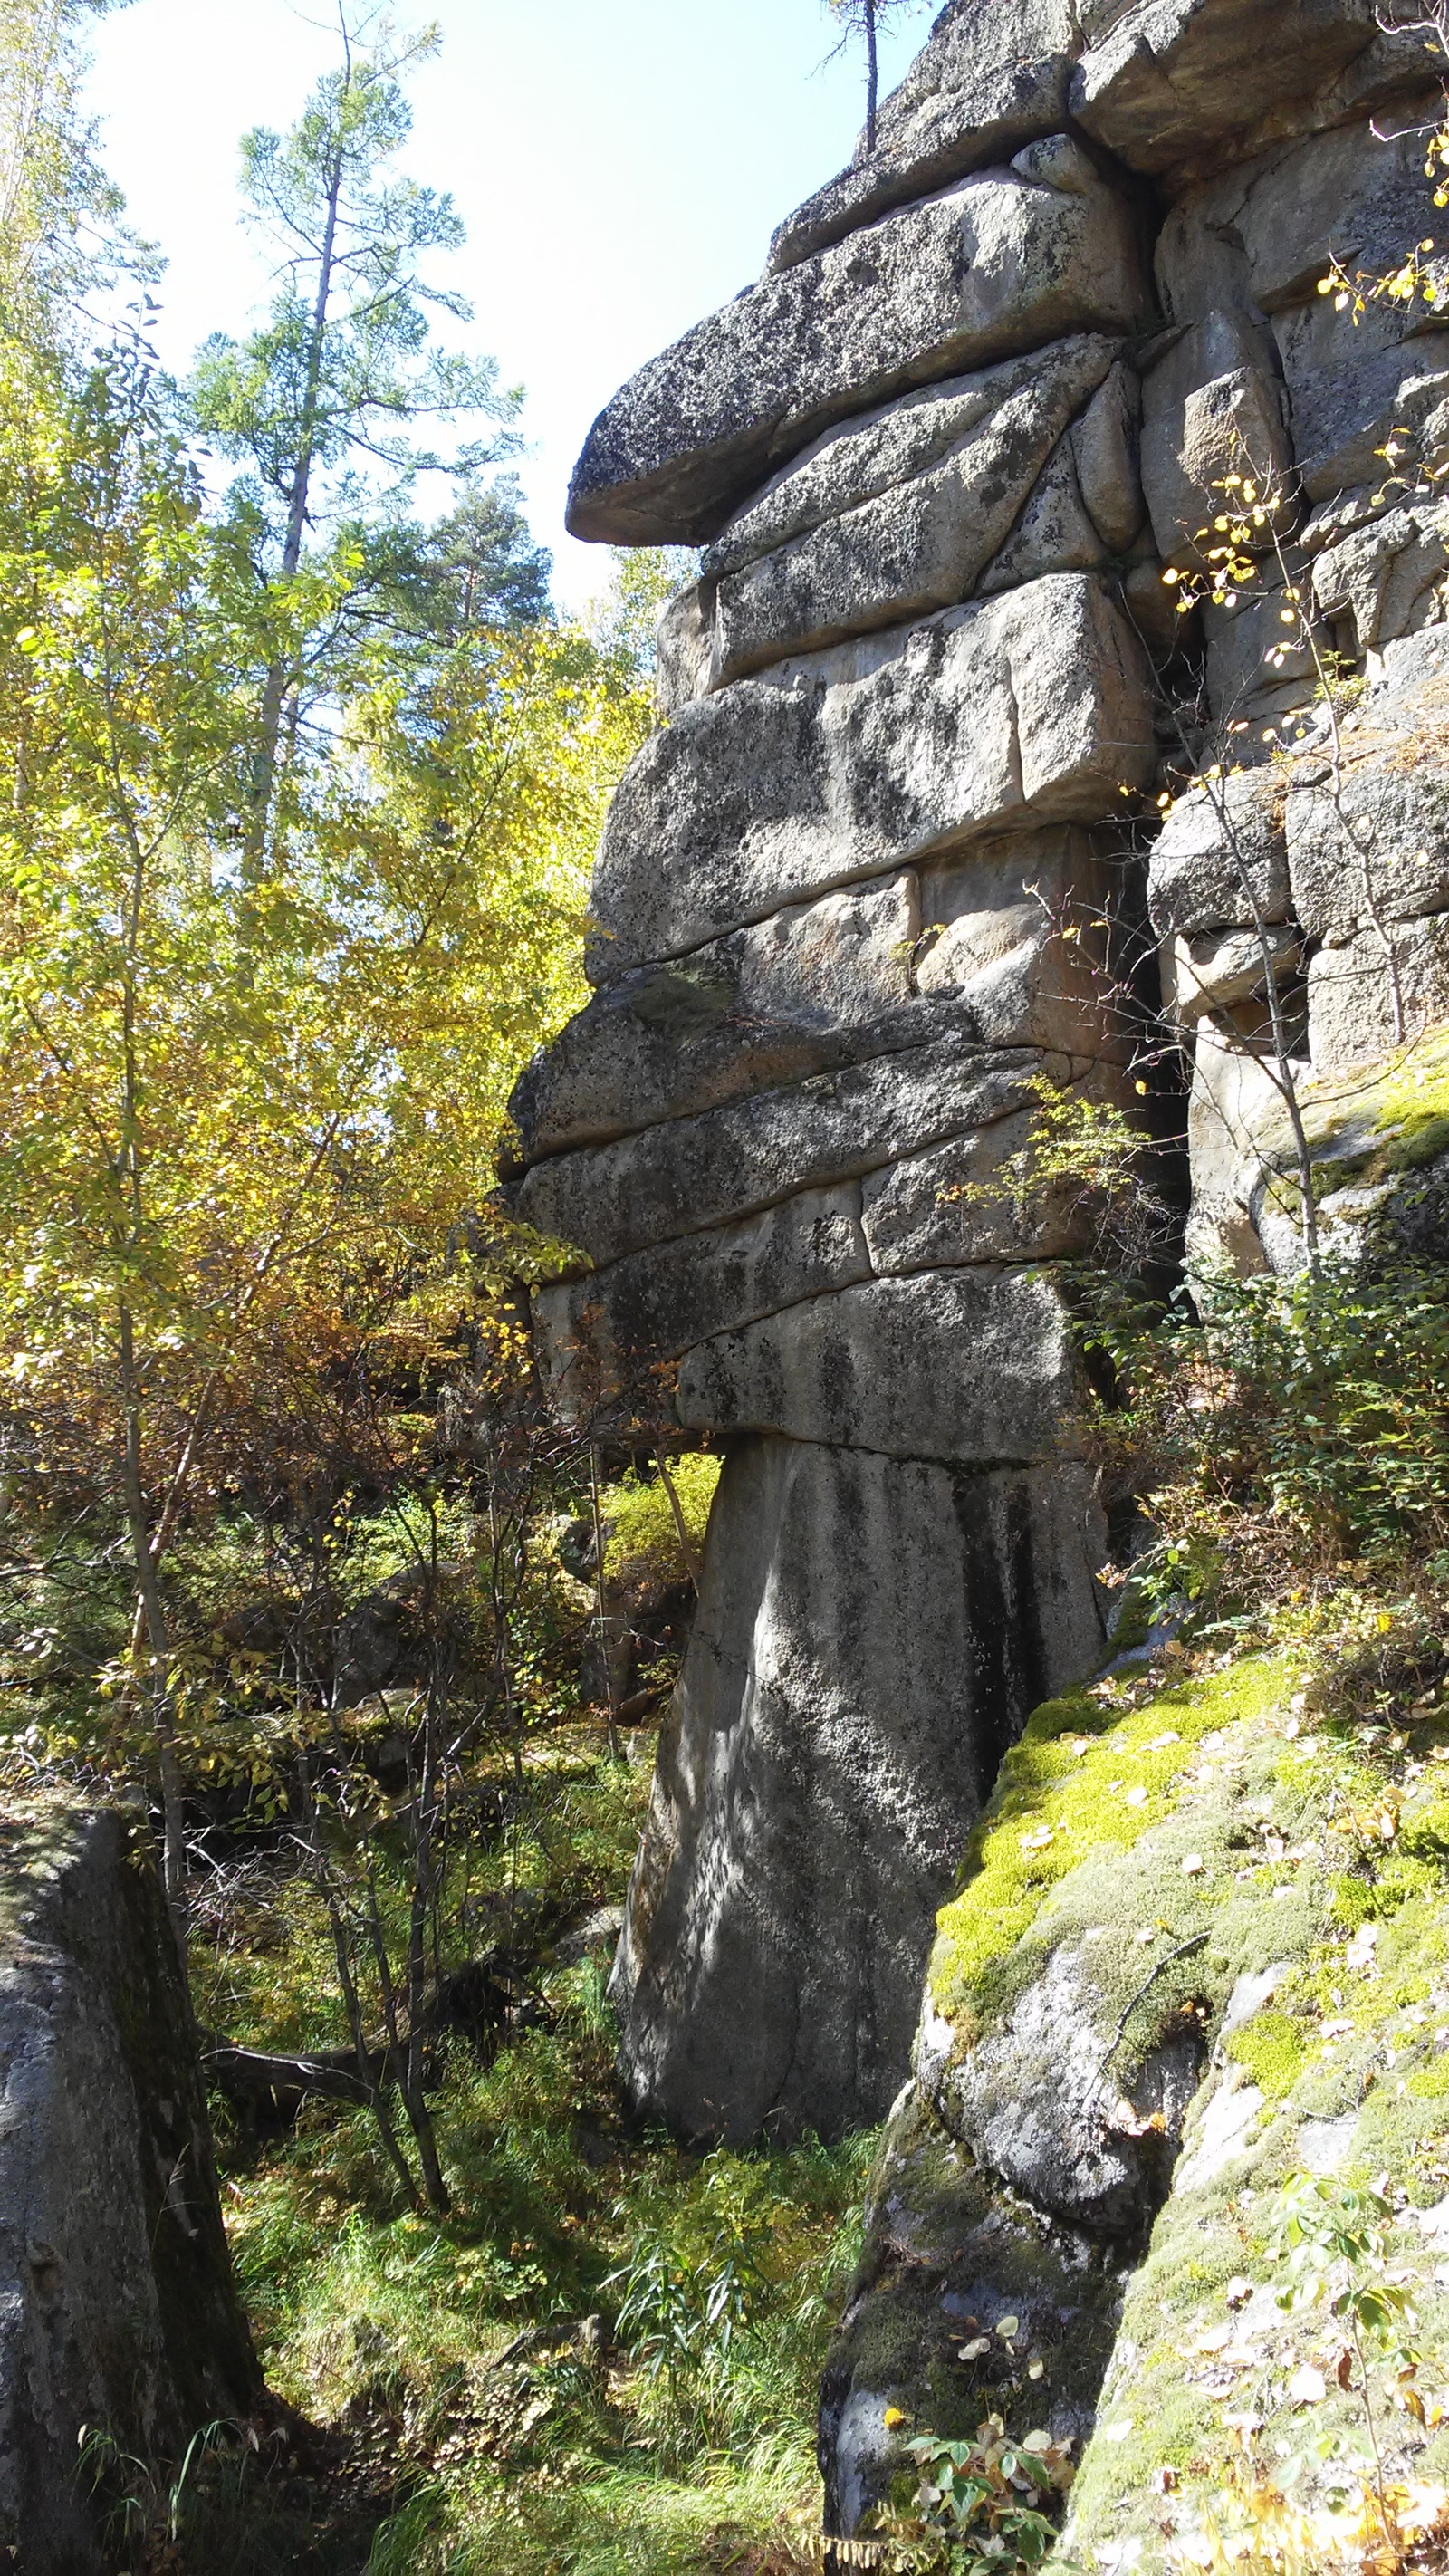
(1036, 707)
(995, 75)
(870, 1633)
(952, 472)
(1005, 261)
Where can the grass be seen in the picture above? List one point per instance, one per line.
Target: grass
(476, 2361)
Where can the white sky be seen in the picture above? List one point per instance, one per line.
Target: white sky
(620, 166)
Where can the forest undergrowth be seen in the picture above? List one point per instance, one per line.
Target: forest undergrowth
(606, 2357)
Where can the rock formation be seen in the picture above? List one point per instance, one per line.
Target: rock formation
(864, 890)
(117, 2309)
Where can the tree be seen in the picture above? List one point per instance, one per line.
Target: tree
(217, 1186)
(866, 18)
(320, 405)
(60, 229)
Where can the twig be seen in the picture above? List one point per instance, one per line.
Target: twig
(1197, 1941)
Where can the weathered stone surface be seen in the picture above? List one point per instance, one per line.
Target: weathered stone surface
(1172, 83)
(1376, 993)
(117, 2306)
(684, 648)
(922, 542)
(1219, 970)
(1016, 934)
(1257, 666)
(672, 1179)
(1349, 398)
(870, 1634)
(1221, 852)
(1026, 2099)
(1234, 1104)
(598, 1338)
(1107, 446)
(964, 1203)
(974, 1365)
(1007, 260)
(1054, 533)
(1033, 707)
(1212, 407)
(1387, 575)
(807, 989)
(1043, 987)
(1372, 842)
(948, 2262)
(1263, 234)
(994, 417)
(858, 974)
(994, 76)
(1086, 2099)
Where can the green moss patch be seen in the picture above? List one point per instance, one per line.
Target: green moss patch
(1084, 1776)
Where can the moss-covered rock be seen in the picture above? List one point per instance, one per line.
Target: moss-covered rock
(1198, 1944)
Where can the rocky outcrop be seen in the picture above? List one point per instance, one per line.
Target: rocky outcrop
(926, 705)
(117, 2309)
(1153, 1997)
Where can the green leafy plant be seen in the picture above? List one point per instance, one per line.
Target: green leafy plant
(992, 2498)
(691, 2285)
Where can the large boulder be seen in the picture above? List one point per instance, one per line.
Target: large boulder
(994, 76)
(1007, 260)
(1033, 708)
(890, 519)
(976, 1364)
(117, 2306)
(1176, 84)
(869, 1635)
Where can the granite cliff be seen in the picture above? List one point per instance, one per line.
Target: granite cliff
(871, 882)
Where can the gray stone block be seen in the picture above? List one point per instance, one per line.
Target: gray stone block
(976, 1365)
(1036, 707)
(1216, 844)
(1372, 842)
(1173, 84)
(1003, 262)
(870, 1636)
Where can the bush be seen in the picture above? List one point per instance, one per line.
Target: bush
(1281, 1425)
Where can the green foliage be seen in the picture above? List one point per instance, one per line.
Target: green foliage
(537, 2438)
(60, 230)
(991, 2500)
(624, 619)
(692, 2285)
(1292, 1422)
(641, 1545)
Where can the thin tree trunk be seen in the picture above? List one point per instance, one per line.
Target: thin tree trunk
(149, 1589)
(872, 77)
(604, 1640)
(686, 1543)
(352, 2001)
(274, 694)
